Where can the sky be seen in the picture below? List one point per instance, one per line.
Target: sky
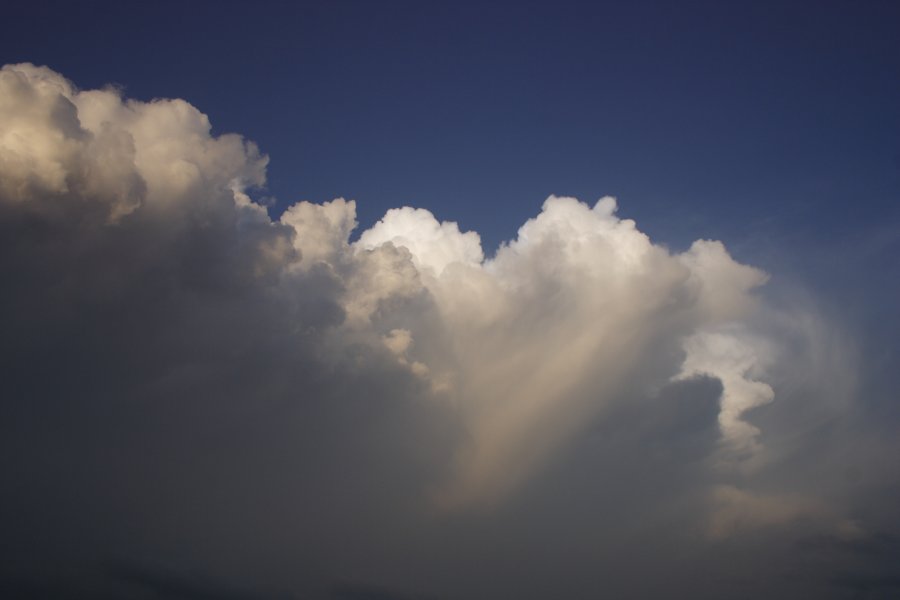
(357, 300)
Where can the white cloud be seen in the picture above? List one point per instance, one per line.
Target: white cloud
(730, 356)
(148, 234)
(58, 140)
(568, 316)
(433, 245)
(529, 347)
(324, 389)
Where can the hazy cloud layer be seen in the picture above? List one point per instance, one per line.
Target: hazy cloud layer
(190, 382)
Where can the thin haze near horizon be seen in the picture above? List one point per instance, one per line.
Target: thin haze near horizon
(354, 300)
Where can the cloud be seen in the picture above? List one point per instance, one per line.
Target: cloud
(540, 339)
(185, 376)
(433, 245)
(728, 357)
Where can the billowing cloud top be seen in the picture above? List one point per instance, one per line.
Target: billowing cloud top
(143, 285)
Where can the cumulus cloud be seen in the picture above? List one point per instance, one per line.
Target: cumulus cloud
(166, 337)
(433, 245)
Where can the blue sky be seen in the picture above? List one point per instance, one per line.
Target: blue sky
(201, 397)
(705, 119)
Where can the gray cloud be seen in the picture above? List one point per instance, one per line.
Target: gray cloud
(188, 382)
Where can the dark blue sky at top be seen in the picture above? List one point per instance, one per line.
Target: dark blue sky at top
(745, 121)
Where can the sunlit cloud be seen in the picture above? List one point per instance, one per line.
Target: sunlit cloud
(141, 270)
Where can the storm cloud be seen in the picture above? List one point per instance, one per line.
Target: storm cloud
(283, 405)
